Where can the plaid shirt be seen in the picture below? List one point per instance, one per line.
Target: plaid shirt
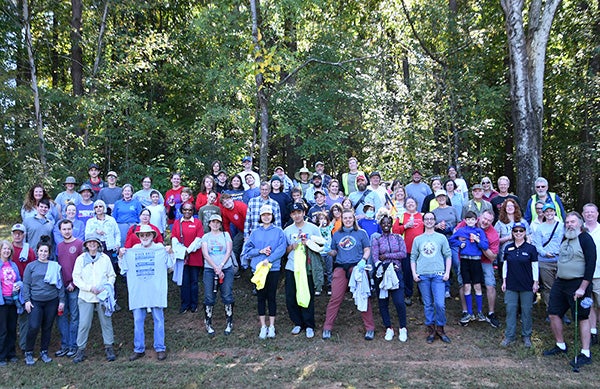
(253, 214)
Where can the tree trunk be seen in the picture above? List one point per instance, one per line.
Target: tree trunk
(34, 88)
(527, 52)
(260, 93)
(76, 51)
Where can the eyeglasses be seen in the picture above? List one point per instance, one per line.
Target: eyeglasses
(540, 186)
(538, 209)
(486, 182)
(519, 230)
(429, 218)
(98, 206)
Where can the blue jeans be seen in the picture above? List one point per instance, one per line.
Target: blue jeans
(226, 287)
(69, 321)
(433, 289)
(139, 340)
(511, 299)
(189, 287)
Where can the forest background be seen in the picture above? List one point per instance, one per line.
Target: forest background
(151, 87)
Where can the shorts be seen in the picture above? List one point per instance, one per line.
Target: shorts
(471, 271)
(596, 292)
(561, 298)
(489, 278)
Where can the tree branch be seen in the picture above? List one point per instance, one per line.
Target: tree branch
(421, 43)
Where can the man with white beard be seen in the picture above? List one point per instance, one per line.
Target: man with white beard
(572, 285)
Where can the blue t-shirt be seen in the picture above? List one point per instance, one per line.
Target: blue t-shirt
(350, 245)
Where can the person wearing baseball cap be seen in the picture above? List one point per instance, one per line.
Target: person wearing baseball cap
(22, 255)
(69, 195)
(247, 163)
(94, 181)
(85, 209)
(477, 204)
(320, 170)
(111, 193)
(265, 246)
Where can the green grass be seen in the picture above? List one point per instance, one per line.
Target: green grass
(473, 359)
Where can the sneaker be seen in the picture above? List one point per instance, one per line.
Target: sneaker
(527, 342)
(326, 334)
(183, 310)
(403, 335)
(318, 293)
(329, 293)
(465, 319)
(493, 320)
(228, 329)
(29, 358)
(71, 353)
(44, 356)
(194, 309)
(110, 354)
(369, 335)
(389, 334)
(580, 360)
(507, 342)
(310, 333)
(263, 332)
(161, 355)
(62, 352)
(448, 295)
(408, 301)
(79, 356)
(566, 320)
(271, 332)
(209, 329)
(481, 316)
(296, 330)
(555, 351)
(442, 334)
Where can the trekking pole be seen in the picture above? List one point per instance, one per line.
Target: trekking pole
(575, 347)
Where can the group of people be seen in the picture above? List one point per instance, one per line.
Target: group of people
(318, 233)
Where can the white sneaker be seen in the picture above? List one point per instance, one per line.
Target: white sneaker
(310, 333)
(271, 333)
(296, 330)
(389, 334)
(403, 334)
(263, 332)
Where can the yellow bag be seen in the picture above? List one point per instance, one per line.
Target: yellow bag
(301, 277)
(260, 275)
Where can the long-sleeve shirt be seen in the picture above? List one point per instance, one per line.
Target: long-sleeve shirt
(259, 239)
(235, 216)
(112, 234)
(472, 248)
(409, 233)
(253, 214)
(544, 234)
(430, 252)
(127, 211)
(34, 286)
(391, 246)
(92, 275)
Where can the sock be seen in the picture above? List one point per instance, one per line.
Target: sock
(562, 346)
(469, 302)
(479, 302)
(593, 331)
(585, 352)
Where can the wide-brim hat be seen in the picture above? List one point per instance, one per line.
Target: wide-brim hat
(302, 170)
(70, 180)
(85, 187)
(144, 228)
(92, 238)
(316, 243)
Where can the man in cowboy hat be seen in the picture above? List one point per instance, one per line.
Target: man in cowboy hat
(69, 195)
(146, 265)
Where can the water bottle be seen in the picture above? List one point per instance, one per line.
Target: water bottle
(215, 283)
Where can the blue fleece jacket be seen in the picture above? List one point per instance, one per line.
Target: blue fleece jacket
(471, 249)
(261, 238)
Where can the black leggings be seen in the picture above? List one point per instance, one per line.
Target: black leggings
(268, 294)
(42, 316)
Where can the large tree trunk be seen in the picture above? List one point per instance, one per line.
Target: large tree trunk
(260, 93)
(76, 51)
(34, 88)
(527, 52)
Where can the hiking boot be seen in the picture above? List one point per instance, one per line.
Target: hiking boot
(161, 355)
(29, 358)
(580, 360)
(44, 356)
(439, 330)
(263, 332)
(389, 334)
(62, 352)
(430, 334)
(296, 330)
(493, 320)
(310, 333)
(594, 339)
(481, 316)
(228, 319)
(271, 332)
(527, 342)
(208, 311)
(79, 356)
(402, 335)
(465, 319)
(369, 335)
(507, 342)
(326, 334)
(555, 351)
(134, 356)
(110, 354)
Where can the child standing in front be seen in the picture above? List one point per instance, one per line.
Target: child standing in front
(471, 241)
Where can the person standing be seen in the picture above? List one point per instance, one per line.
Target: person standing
(94, 181)
(503, 194)
(144, 195)
(247, 163)
(349, 180)
(68, 196)
(126, 211)
(542, 194)
(39, 225)
(519, 283)
(145, 265)
(590, 216)
(94, 276)
(417, 189)
(297, 235)
(254, 207)
(10, 284)
(574, 276)
(23, 255)
(477, 204)
(111, 193)
(67, 252)
(430, 261)
(461, 185)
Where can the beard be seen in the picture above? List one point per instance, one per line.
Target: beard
(572, 233)
(361, 187)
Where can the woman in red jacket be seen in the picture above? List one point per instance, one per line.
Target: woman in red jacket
(189, 231)
(208, 184)
(409, 225)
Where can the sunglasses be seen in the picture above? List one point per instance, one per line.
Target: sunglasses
(540, 186)
(518, 230)
(98, 206)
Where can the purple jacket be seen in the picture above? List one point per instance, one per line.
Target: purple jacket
(390, 245)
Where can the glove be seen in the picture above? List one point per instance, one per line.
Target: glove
(361, 265)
